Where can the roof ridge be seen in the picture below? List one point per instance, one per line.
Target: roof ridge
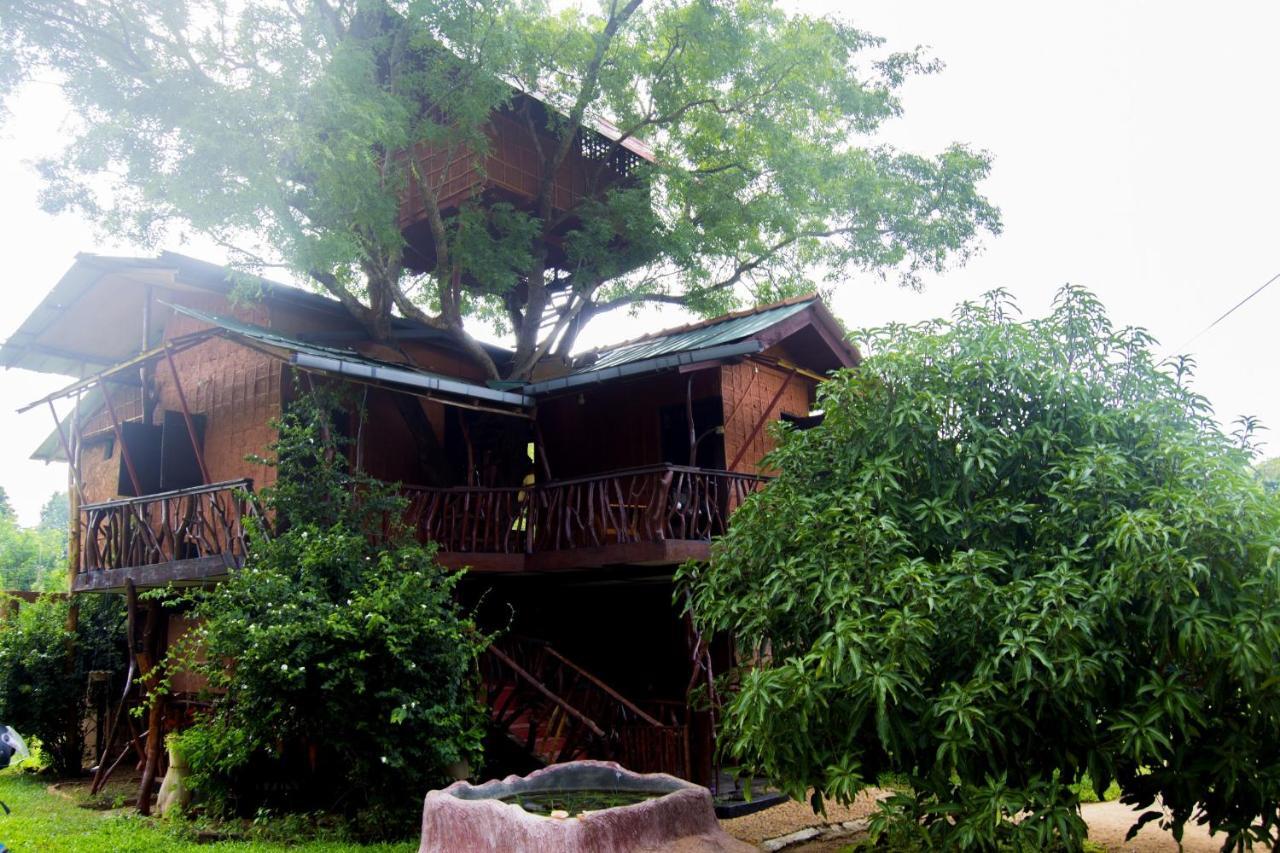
(702, 324)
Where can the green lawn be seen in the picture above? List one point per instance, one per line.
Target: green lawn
(49, 823)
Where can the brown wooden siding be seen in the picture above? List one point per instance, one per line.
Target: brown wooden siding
(236, 388)
(615, 426)
(748, 388)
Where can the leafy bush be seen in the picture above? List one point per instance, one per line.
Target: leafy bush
(346, 670)
(44, 670)
(1013, 554)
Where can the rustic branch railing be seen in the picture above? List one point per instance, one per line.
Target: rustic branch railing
(650, 504)
(185, 524)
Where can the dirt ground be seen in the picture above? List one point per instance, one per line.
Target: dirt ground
(1108, 823)
(791, 815)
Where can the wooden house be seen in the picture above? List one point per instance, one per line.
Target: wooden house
(571, 498)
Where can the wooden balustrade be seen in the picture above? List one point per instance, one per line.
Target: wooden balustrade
(185, 524)
(650, 504)
(476, 520)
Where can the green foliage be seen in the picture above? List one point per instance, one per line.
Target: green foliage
(56, 512)
(1268, 474)
(274, 127)
(44, 670)
(1014, 553)
(346, 670)
(34, 558)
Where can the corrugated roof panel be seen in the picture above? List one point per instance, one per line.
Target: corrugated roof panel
(725, 332)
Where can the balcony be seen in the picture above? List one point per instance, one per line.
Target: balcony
(183, 536)
(657, 515)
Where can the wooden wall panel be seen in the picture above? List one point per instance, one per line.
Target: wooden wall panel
(616, 425)
(748, 389)
(236, 388)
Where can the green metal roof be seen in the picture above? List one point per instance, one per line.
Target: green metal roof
(716, 333)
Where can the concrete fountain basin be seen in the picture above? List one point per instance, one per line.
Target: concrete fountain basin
(675, 815)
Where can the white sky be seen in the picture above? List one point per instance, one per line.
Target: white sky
(1135, 153)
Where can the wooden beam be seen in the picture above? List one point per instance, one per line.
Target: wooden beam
(66, 448)
(198, 571)
(124, 448)
(177, 344)
(186, 416)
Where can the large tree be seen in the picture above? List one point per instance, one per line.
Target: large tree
(1016, 555)
(276, 127)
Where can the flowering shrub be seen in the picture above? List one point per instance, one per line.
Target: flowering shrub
(345, 671)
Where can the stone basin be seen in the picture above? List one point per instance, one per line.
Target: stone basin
(679, 816)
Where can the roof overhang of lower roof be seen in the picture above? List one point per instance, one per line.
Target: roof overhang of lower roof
(708, 355)
(412, 379)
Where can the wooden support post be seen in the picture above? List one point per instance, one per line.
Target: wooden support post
(66, 448)
(144, 369)
(540, 447)
(186, 416)
(764, 418)
(153, 641)
(131, 620)
(693, 432)
(124, 448)
(75, 497)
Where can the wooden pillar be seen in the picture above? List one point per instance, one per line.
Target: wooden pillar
(73, 539)
(75, 496)
(145, 374)
(153, 644)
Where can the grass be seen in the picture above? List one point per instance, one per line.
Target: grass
(41, 821)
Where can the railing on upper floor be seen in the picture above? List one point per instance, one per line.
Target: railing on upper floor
(650, 504)
(184, 524)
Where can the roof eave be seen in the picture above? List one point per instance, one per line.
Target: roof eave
(651, 365)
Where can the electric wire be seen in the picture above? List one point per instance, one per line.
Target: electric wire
(1182, 347)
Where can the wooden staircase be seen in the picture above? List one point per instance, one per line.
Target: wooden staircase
(557, 711)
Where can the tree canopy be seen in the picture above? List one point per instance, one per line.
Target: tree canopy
(277, 128)
(1015, 555)
(34, 558)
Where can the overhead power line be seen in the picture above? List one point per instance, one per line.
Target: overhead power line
(1182, 347)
